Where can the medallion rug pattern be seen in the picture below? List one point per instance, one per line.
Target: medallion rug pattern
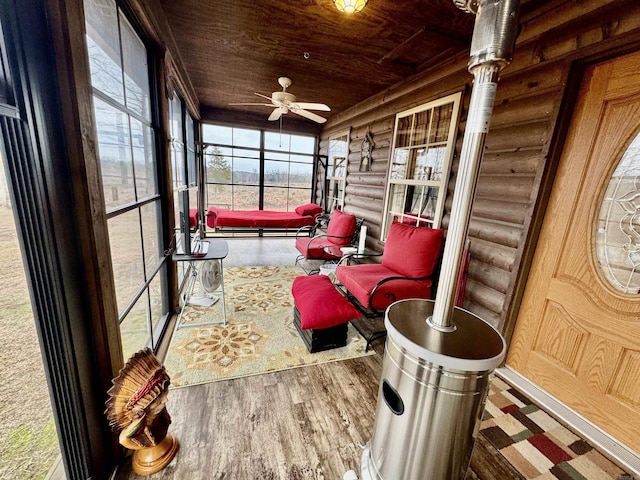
(259, 337)
(537, 445)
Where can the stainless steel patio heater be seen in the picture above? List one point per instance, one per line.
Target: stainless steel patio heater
(439, 358)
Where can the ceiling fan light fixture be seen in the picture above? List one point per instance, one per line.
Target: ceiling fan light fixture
(350, 6)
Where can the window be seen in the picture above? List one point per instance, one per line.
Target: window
(257, 170)
(423, 143)
(126, 146)
(616, 232)
(337, 170)
(183, 167)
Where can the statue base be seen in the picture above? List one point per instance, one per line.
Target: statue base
(147, 461)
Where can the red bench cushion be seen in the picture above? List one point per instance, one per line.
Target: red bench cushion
(320, 304)
(359, 280)
(412, 251)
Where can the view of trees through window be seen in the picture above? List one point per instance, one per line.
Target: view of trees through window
(253, 169)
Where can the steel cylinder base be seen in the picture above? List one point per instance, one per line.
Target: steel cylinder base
(368, 469)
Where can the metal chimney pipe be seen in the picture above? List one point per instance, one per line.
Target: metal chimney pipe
(494, 35)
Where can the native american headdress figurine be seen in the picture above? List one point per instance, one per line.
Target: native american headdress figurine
(136, 408)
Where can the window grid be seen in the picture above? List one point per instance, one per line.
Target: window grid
(424, 139)
(254, 169)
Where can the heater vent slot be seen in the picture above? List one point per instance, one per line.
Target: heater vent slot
(392, 398)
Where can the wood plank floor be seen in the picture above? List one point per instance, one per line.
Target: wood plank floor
(303, 423)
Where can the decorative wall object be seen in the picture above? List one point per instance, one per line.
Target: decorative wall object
(367, 148)
(136, 407)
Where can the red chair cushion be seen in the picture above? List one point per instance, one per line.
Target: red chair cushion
(412, 251)
(341, 228)
(314, 248)
(309, 209)
(360, 280)
(320, 304)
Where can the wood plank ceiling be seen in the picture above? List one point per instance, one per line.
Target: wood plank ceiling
(233, 48)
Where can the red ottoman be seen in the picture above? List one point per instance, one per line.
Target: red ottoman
(321, 313)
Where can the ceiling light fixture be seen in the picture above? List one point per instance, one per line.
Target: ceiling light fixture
(350, 6)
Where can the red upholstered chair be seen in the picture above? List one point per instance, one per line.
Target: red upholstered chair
(409, 261)
(341, 231)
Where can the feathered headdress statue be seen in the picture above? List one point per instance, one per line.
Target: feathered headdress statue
(136, 407)
(138, 383)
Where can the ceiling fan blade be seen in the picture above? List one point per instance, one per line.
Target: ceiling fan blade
(309, 115)
(312, 106)
(276, 114)
(263, 96)
(261, 104)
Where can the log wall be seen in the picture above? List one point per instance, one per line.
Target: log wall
(532, 106)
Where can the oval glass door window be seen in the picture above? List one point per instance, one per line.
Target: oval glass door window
(618, 230)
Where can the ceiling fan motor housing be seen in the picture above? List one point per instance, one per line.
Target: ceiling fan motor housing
(283, 97)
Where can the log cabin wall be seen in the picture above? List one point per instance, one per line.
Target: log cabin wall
(531, 111)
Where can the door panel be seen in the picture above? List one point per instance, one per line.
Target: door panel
(576, 336)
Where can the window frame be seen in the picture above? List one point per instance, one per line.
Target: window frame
(263, 155)
(331, 177)
(440, 184)
(151, 273)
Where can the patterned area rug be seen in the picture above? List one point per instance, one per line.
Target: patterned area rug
(259, 337)
(537, 445)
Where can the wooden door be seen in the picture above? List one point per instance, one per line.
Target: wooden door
(577, 335)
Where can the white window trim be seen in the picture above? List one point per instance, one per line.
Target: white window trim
(441, 184)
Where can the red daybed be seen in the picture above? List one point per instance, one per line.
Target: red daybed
(304, 215)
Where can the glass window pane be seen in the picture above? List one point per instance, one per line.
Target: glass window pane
(301, 158)
(28, 440)
(403, 133)
(246, 138)
(175, 125)
(276, 141)
(159, 302)
(103, 44)
(152, 236)
(276, 156)
(115, 155)
(136, 71)
(246, 171)
(177, 161)
(126, 256)
(619, 223)
(441, 123)
(191, 152)
(143, 160)
(239, 152)
(217, 134)
(397, 198)
(245, 198)
(220, 196)
(134, 329)
(300, 175)
(435, 161)
(339, 167)
(276, 199)
(399, 165)
(421, 128)
(302, 144)
(218, 167)
(276, 173)
(298, 196)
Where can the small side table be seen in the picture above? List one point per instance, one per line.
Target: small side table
(337, 252)
(218, 250)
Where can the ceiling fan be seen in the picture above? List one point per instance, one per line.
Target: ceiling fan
(284, 102)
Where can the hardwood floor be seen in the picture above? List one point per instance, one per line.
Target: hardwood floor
(303, 423)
